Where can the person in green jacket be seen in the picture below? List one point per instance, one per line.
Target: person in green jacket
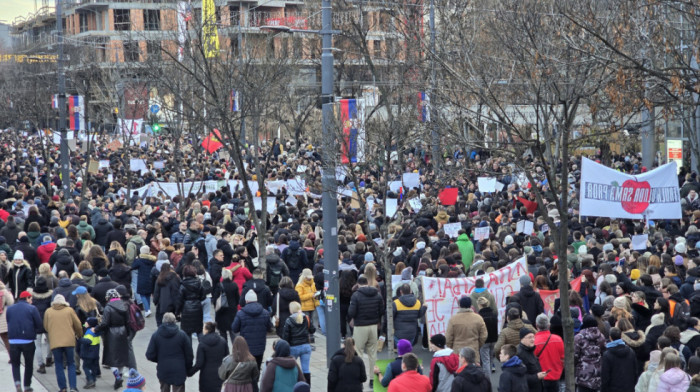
(466, 249)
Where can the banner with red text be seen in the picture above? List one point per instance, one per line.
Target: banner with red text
(442, 295)
(549, 296)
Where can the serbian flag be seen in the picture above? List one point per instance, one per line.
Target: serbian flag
(54, 101)
(423, 107)
(76, 113)
(448, 196)
(531, 206)
(233, 101)
(212, 142)
(349, 121)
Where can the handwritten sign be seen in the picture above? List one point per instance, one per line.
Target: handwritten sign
(481, 233)
(639, 242)
(486, 184)
(525, 227)
(452, 229)
(415, 204)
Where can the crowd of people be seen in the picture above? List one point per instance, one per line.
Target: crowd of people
(82, 272)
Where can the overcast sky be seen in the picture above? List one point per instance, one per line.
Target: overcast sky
(10, 9)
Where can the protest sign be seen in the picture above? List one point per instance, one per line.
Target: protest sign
(486, 184)
(415, 204)
(411, 180)
(442, 294)
(291, 200)
(301, 168)
(550, 296)
(639, 242)
(482, 233)
(158, 165)
(355, 201)
(395, 186)
(93, 167)
(391, 207)
(613, 194)
(271, 207)
(525, 227)
(137, 165)
(104, 164)
(452, 229)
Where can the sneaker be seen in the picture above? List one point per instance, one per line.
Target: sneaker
(371, 384)
(78, 372)
(41, 369)
(28, 389)
(89, 385)
(49, 361)
(18, 387)
(118, 383)
(148, 313)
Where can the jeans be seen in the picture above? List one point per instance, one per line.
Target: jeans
(365, 337)
(16, 352)
(58, 355)
(485, 355)
(171, 388)
(134, 280)
(91, 367)
(303, 351)
(321, 311)
(344, 319)
(146, 301)
(550, 386)
(206, 310)
(42, 348)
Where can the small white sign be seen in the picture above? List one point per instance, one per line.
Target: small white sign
(486, 184)
(452, 229)
(482, 233)
(415, 204)
(525, 227)
(392, 205)
(639, 242)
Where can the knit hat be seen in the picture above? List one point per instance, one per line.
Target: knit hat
(525, 280)
(79, 290)
(25, 294)
(508, 240)
(438, 340)
(598, 310)
(145, 250)
(583, 250)
(610, 278)
(91, 321)
(588, 322)
(620, 303)
(18, 255)
(60, 300)
(524, 332)
(608, 247)
(678, 260)
(111, 294)
(162, 255)
(680, 247)
(407, 273)
(135, 380)
(301, 387)
(123, 292)
(465, 302)
(369, 256)
(250, 296)
(404, 347)
(635, 274)
(41, 287)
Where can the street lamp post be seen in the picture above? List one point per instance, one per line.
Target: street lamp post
(65, 161)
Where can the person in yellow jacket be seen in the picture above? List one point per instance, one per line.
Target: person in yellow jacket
(308, 294)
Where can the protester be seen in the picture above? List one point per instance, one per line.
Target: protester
(6, 300)
(282, 372)
(469, 376)
(90, 352)
(466, 328)
(618, 368)
(23, 324)
(526, 353)
(511, 333)
(513, 375)
(549, 350)
(366, 311)
(393, 369)
(166, 293)
(63, 328)
(136, 382)
(346, 372)
(238, 371)
(296, 332)
(171, 349)
(408, 310)
(253, 323)
(41, 299)
(143, 264)
(190, 306)
(280, 305)
(227, 309)
(211, 352)
(113, 328)
(409, 379)
(20, 277)
(444, 364)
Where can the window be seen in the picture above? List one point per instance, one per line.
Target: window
(153, 50)
(234, 14)
(377, 45)
(151, 20)
(83, 22)
(131, 51)
(122, 20)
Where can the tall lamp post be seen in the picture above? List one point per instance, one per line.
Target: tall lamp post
(329, 204)
(65, 161)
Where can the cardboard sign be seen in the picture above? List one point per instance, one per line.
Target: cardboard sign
(452, 229)
(486, 184)
(639, 242)
(355, 201)
(482, 233)
(415, 204)
(525, 227)
(93, 167)
(114, 145)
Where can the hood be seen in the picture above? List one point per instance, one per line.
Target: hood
(119, 305)
(102, 221)
(617, 348)
(82, 224)
(408, 300)
(633, 339)
(674, 377)
(527, 291)
(463, 238)
(294, 245)
(514, 362)
(169, 330)
(58, 306)
(45, 295)
(137, 240)
(191, 283)
(473, 374)
(253, 309)
(147, 257)
(288, 295)
(688, 334)
(515, 324)
(64, 282)
(285, 362)
(272, 259)
(368, 291)
(448, 358)
(211, 340)
(160, 263)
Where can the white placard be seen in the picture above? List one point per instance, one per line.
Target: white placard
(301, 168)
(159, 165)
(411, 180)
(639, 242)
(138, 165)
(415, 204)
(104, 164)
(110, 178)
(525, 227)
(291, 200)
(275, 186)
(342, 192)
(392, 205)
(486, 184)
(499, 186)
(395, 186)
(452, 229)
(271, 207)
(482, 233)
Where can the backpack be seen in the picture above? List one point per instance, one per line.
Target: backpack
(294, 262)
(136, 320)
(275, 275)
(681, 313)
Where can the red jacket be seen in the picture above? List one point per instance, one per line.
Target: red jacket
(44, 252)
(448, 358)
(410, 381)
(551, 356)
(240, 275)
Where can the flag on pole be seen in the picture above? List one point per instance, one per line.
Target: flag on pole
(212, 143)
(448, 196)
(349, 121)
(423, 107)
(210, 35)
(234, 101)
(76, 113)
(54, 101)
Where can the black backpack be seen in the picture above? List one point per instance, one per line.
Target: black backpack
(681, 314)
(275, 275)
(294, 262)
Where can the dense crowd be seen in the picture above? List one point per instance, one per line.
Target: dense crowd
(82, 271)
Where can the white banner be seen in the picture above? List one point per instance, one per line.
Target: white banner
(442, 295)
(609, 193)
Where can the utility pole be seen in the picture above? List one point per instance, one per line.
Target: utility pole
(65, 158)
(240, 68)
(433, 117)
(329, 203)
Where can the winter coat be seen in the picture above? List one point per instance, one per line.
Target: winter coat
(99, 292)
(307, 289)
(42, 301)
(166, 296)
(410, 381)
(618, 368)
(20, 279)
(83, 227)
(531, 302)
(102, 230)
(475, 295)
(261, 290)
(44, 251)
(90, 345)
(346, 377)
(513, 376)
(635, 340)
(443, 366)
(115, 333)
(7, 301)
(285, 296)
(143, 264)
(296, 333)
(672, 380)
(23, 321)
(281, 374)
(211, 351)
(226, 315)
(64, 262)
(66, 288)
(245, 372)
(589, 345)
(691, 339)
(471, 379)
(466, 329)
(171, 349)
(549, 349)
(240, 275)
(59, 320)
(297, 256)
(532, 364)
(190, 307)
(253, 322)
(466, 249)
(511, 335)
(407, 310)
(10, 231)
(121, 273)
(118, 236)
(366, 306)
(133, 248)
(491, 320)
(276, 269)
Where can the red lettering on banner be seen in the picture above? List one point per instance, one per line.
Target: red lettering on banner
(432, 305)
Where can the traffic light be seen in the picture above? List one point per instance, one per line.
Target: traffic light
(155, 127)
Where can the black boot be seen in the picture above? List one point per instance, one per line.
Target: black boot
(308, 378)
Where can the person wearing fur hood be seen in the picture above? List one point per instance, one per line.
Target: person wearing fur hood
(20, 277)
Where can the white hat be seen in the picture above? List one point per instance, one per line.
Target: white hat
(583, 250)
(18, 255)
(508, 240)
(680, 248)
(250, 296)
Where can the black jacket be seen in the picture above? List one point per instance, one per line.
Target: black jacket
(102, 230)
(99, 292)
(346, 377)
(407, 311)
(471, 379)
(19, 279)
(366, 306)
(491, 320)
(121, 273)
(66, 288)
(64, 262)
(532, 365)
(211, 351)
(295, 333)
(115, 333)
(226, 315)
(116, 235)
(513, 377)
(171, 349)
(276, 269)
(618, 369)
(261, 290)
(191, 296)
(227, 249)
(285, 296)
(166, 296)
(531, 302)
(29, 252)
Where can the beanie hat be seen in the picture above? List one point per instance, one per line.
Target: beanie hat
(524, 332)
(250, 296)
(135, 380)
(41, 287)
(525, 280)
(438, 340)
(583, 250)
(508, 240)
(635, 274)
(111, 294)
(407, 273)
(620, 303)
(301, 387)
(18, 255)
(145, 250)
(404, 347)
(680, 247)
(465, 302)
(598, 310)
(162, 255)
(91, 321)
(369, 256)
(589, 322)
(610, 278)
(678, 260)
(608, 247)
(25, 294)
